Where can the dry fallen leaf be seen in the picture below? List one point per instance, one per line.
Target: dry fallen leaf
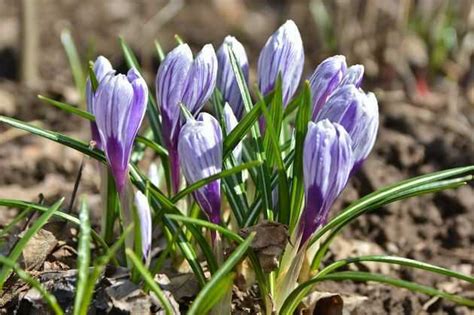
(269, 242)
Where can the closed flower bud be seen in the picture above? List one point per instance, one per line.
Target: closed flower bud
(144, 215)
(181, 79)
(200, 152)
(119, 106)
(226, 80)
(325, 80)
(102, 67)
(283, 54)
(327, 162)
(230, 123)
(358, 113)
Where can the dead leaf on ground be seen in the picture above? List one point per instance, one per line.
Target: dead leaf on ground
(269, 242)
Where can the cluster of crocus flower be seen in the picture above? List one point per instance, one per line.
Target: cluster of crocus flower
(340, 136)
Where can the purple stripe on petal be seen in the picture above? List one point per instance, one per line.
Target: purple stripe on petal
(226, 80)
(358, 113)
(200, 154)
(282, 54)
(120, 104)
(325, 79)
(327, 162)
(201, 80)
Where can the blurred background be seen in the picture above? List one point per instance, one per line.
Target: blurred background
(418, 58)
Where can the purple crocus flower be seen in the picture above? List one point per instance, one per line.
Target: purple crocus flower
(200, 152)
(327, 162)
(325, 80)
(181, 79)
(102, 67)
(226, 81)
(230, 123)
(283, 54)
(144, 215)
(119, 106)
(358, 113)
(353, 75)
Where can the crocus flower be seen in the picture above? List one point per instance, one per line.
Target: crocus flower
(230, 123)
(325, 80)
(181, 79)
(283, 54)
(226, 80)
(102, 67)
(358, 113)
(327, 162)
(200, 152)
(119, 107)
(353, 75)
(144, 215)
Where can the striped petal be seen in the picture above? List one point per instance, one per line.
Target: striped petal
(282, 54)
(327, 162)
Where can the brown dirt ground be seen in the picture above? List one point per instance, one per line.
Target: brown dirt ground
(417, 135)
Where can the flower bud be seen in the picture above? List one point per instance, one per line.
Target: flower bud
(358, 113)
(200, 151)
(327, 162)
(353, 75)
(144, 215)
(102, 67)
(180, 79)
(226, 80)
(119, 106)
(283, 54)
(230, 123)
(325, 80)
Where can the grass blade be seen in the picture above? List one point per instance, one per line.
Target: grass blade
(291, 303)
(74, 62)
(68, 108)
(297, 182)
(416, 191)
(18, 249)
(207, 180)
(60, 214)
(48, 297)
(83, 259)
(147, 277)
(376, 197)
(220, 282)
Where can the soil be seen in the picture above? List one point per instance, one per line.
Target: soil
(421, 131)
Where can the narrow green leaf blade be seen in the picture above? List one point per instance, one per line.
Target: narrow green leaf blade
(221, 280)
(83, 258)
(20, 245)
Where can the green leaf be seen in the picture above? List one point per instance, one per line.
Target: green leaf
(48, 297)
(148, 278)
(158, 149)
(241, 130)
(74, 62)
(93, 77)
(99, 267)
(206, 224)
(159, 51)
(297, 181)
(291, 303)
(35, 207)
(361, 205)
(220, 282)
(68, 108)
(20, 245)
(20, 216)
(407, 193)
(263, 182)
(83, 257)
(200, 183)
